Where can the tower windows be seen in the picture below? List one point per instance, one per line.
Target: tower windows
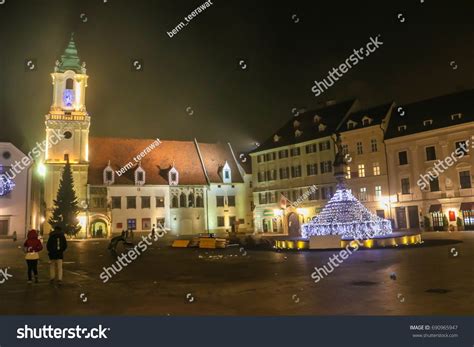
(69, 83)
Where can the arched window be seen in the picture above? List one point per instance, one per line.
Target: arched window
(182, 200)
(174, 202)
(191, 200)
(199, 201)
(69, 83)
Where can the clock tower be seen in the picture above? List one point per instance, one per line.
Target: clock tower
(67, 116)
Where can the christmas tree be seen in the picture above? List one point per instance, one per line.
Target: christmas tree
(6, 184)
(65, 206)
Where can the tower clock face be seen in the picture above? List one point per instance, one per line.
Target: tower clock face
(68, 97)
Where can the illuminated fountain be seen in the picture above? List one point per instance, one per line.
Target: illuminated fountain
(344, 215)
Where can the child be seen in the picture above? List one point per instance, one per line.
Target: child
(32, 247)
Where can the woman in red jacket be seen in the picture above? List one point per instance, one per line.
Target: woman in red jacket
(32, 247)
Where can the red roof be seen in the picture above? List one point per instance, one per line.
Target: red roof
(183, 154)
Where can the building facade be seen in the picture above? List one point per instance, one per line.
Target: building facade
(431, 165)
(187, 186)
(287, 167)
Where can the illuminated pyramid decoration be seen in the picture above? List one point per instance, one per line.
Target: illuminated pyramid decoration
(344, 215)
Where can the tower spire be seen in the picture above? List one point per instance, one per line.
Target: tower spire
(70, 59)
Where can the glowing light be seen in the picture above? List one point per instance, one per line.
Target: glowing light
(277, 212)
(6, 184)
(302, 211)
(42, 219)
(41, 169)
(344, 215)
(82, 221)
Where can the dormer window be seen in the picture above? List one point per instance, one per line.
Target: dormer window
(276, 138)
(108, 175)
(139, 176)
(366, 121)
(296, 124)
(427, 122)
(173, 177)
(351, 124)
(321, 127)
(456, 116)
(298, 133)
(226, 174)
(402, 128)
(316, 119)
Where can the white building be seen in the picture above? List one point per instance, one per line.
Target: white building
(19, 208)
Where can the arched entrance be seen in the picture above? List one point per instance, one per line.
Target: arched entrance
(293, 225)
(98, 229)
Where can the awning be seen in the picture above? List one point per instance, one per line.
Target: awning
(467, 206)
(268, 213)
(435, 208)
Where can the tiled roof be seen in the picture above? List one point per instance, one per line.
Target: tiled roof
(214, 157)
(438, 109)
(376, 114)
(304, 128)
(157, 163)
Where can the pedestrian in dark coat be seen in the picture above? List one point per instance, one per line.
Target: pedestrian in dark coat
(56, 246)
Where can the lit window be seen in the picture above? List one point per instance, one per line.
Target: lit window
(348, 172)
(363, 194)
(361, 170)
(376, 167)
(378, 192)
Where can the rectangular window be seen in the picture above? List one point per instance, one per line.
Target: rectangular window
(220, 221)
(345, 149)
(108, 175)
(434, 184)
(378, 192)
(283, 154)
(363, 194)
(261, 176)
(359, 148)
(131, 202)
(160, 222)
(373, 145)
(284, 173)
(295, 151)
(231, 200)
(405, 186)
(461, 148)
(402, 158)
(325, 166)
(270, 156)
(348, 172)
(160, 201)
(271, 197)
(139, 176)
(296, 171)
(376, 167)
(361, 170)
(314, 195)
(132, 224)
(146, 223)
(430, 153)
(311, 169)
(116, 202)
(465, 179)
(262, 198)
(145, 202)
(231, 220)
(311, 148)
(324, 193)
(324, 146)
(271, 175)
(220, 201)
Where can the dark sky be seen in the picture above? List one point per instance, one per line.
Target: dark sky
(199, 67)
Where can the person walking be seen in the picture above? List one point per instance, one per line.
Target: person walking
(32, 247)
(56, 246)
(153, 231)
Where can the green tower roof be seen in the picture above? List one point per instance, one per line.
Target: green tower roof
(70, 59)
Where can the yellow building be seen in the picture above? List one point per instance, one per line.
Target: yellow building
(362, 136)
(429, 162)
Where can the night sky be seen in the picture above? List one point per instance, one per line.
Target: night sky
(199, 67)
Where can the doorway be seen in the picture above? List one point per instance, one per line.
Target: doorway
(413, 218)
(294, 225)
